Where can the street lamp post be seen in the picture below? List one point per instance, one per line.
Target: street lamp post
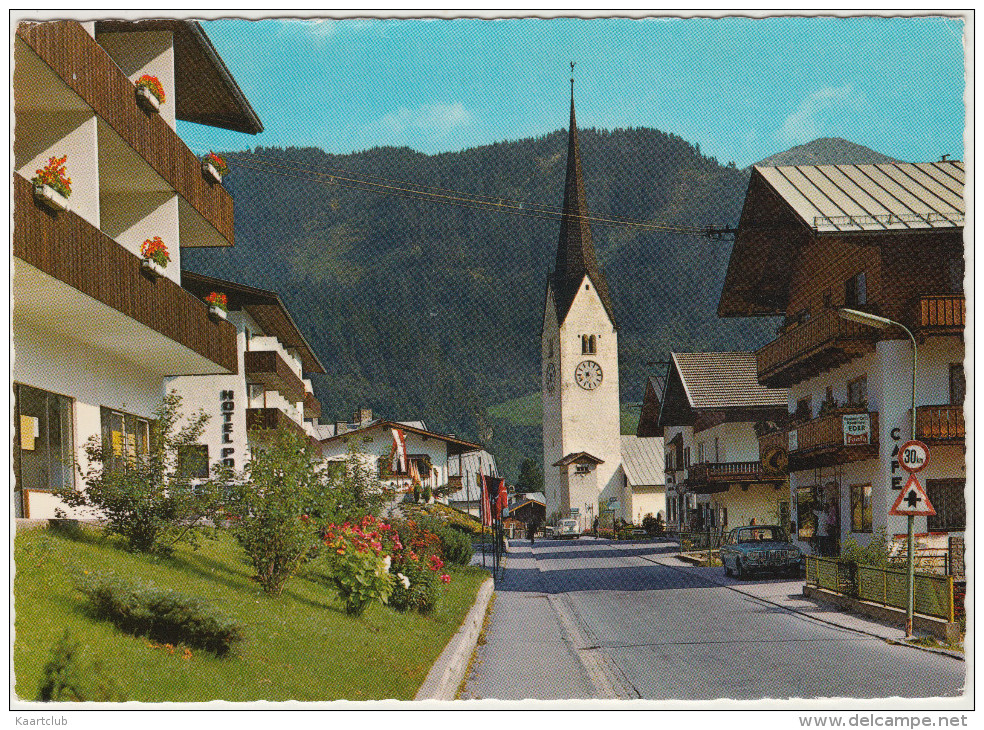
(873, 320)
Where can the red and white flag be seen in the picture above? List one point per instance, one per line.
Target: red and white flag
(399, 465)
(486, 512)
(414, 473)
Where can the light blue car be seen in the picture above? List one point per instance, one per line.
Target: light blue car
(759, 549)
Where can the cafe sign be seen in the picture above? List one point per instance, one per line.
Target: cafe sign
(857, 429)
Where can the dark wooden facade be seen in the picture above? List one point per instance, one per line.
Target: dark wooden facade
(91, 73)
(68, 248)
(940, 423)
(820, 442)
(312, 406)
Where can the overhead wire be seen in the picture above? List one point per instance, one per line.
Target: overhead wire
(368, 182)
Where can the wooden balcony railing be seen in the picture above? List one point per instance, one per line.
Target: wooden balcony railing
(820, 442)
(68, 248)
(312, 406)
(940, 423)
(90, 72)
(808, 349)
(940, 314)
(270, 368)
(261, 421)
(706, 478)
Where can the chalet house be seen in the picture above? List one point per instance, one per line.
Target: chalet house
(711, 407)
(643, 483)
(268, 390)
(884, 239)
(96, 331)
(434, 454)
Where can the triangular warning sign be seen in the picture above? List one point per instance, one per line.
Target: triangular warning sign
(912, 500)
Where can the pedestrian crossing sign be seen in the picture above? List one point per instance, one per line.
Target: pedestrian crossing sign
(913, 501)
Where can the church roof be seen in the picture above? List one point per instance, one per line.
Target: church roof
(575, 250)
(580, 457)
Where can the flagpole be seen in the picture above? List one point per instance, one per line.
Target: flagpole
(481, 505)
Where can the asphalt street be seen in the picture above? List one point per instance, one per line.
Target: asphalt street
(595, 619)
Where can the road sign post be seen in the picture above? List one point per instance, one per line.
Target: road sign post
(913, 457)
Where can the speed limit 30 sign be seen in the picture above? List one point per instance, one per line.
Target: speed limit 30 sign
(913, 456)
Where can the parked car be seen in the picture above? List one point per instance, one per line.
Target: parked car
(756, 549)
(568, 529)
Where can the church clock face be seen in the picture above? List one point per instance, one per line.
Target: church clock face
(550, 376)
(588, 374)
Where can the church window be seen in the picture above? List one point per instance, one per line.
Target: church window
(588, 345)
(582, 469)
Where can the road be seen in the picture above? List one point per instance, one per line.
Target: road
(596, 619)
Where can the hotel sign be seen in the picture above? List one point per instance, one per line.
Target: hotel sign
(857, 429)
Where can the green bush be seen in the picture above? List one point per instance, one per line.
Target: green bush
(163, 615)
(65, 679)
(358, 565)
(456, 548)
(416, 567)
(156, 501)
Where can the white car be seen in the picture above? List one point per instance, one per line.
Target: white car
(568, 529)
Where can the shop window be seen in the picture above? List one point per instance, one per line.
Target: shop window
(44, 458)
(805, 504)
(783, 512)
(857, 391)
(958, 384)
(126, 437)
(856, 291)
(947, 498)
(860, 508)
(193, 461)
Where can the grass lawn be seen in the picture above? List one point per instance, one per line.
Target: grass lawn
(299, 646)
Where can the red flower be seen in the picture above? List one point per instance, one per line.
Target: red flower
(153, 85)
(445, 578)
(217, 299)
(155, 250)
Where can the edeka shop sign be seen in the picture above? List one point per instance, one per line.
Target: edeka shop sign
(857, 429)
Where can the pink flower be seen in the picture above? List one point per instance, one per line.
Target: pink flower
(445, 578)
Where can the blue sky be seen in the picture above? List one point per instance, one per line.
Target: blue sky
(741, 88)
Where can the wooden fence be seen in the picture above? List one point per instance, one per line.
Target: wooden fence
(932, 594)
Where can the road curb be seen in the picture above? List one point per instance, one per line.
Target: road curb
(445, 676)
(791, 609)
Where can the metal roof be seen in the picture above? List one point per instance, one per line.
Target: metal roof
(724, 380)
(886, 197)
(642, 459)
(470, 461)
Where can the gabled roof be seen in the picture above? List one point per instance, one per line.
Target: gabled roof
(581, 457)
(651, 399)
(206, 92)
(575, 249)
(788, 207)
(642, 459)
(455, 445)
(888, 197)
(715, 381)
(262, 305)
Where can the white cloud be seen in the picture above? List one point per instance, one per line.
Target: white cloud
(437, 119)
(817, 113)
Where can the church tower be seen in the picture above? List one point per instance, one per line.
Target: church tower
(581, 425)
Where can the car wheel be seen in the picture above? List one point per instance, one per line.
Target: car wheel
(739, 571)
(727, 570)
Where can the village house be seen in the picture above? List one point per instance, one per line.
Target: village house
(881, 239)
(433, 455)
(712, 406)
(97, 325)
(267, 392)
(641, 486)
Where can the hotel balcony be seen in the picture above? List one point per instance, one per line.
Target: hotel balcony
(260, 422)
(708, 478)
(271, 366)
(940, 424)
(73, 280)
(808, 349)
(818, 443)
(62, 68)
(943, 314)
(312, 406)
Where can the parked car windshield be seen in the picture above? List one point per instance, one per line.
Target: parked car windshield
(761, 534)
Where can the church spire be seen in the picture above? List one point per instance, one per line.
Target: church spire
(575, 250)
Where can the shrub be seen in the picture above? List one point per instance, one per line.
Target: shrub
(65, 679)
(358, 564)
(660, 525)
(455, 547)
(163, 615)
(416, 565)
(152, 501)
